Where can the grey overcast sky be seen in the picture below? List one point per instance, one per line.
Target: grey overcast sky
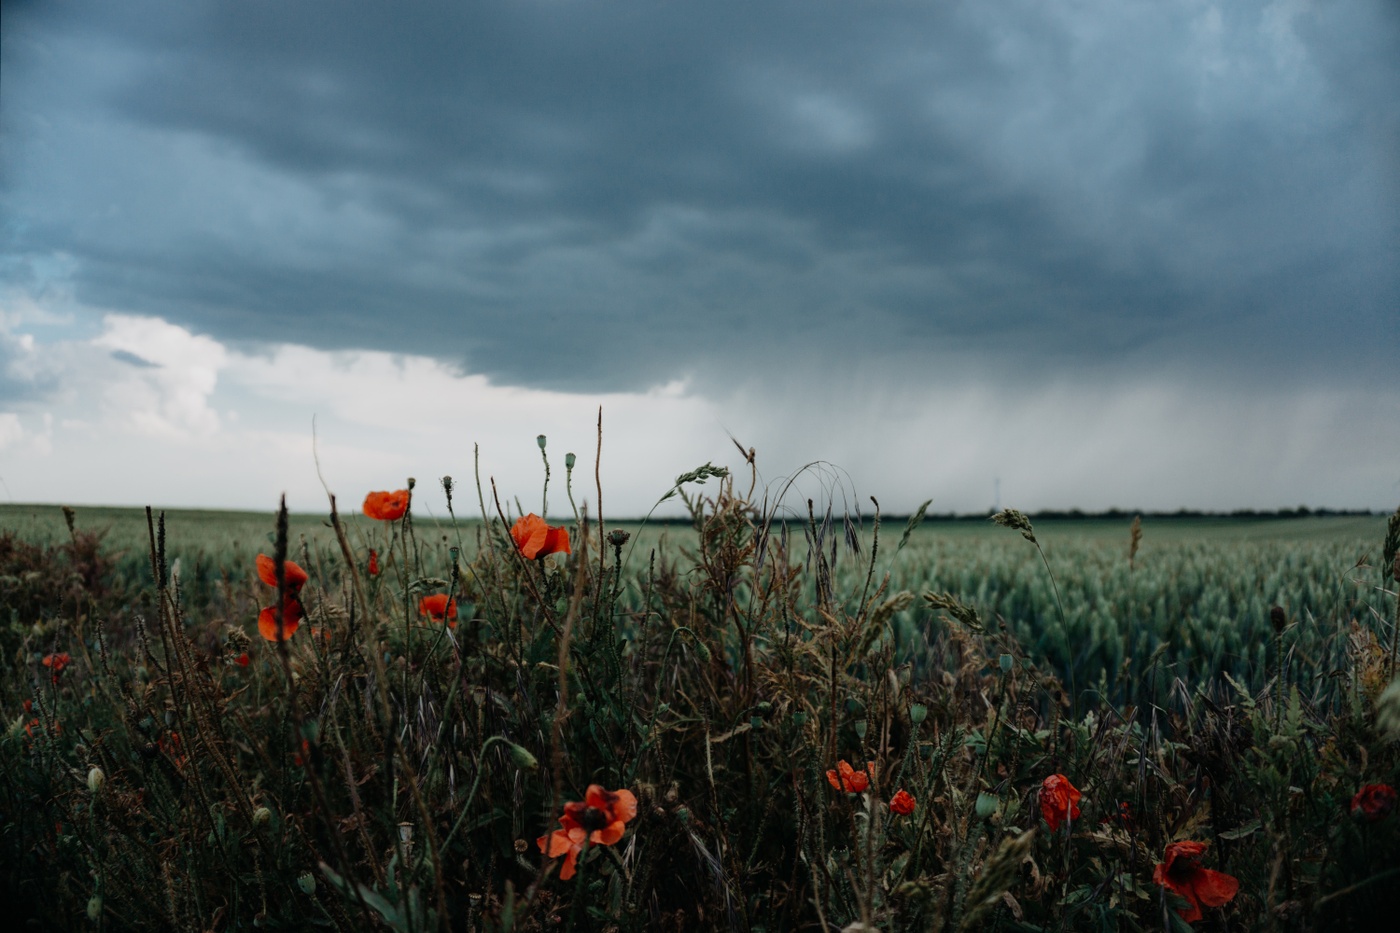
(1077, 254)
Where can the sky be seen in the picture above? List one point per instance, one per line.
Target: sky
(1084, 254)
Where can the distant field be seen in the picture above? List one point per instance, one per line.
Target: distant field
(1203, 587)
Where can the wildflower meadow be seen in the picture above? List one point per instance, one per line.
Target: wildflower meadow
(783, 713)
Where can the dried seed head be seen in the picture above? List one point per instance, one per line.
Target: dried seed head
(1279, 618)
(237, 640)
(1014, 518)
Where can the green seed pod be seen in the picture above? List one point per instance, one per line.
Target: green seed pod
(307, 882)
(569, 461)
(540, 440)
(918, 713)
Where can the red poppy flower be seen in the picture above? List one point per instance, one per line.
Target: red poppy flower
(387, 506)
(902, 803)
(438, 605)
(1373, 802)
(849, 779)
(1184, 875)
(292, 615)
(1059, 800)
(56, 663)
(242, 659)
(175, 749)
(535, 538)
(292, 575)
(600, 819)
(373, 562)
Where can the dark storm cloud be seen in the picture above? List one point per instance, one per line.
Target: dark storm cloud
(606, 195)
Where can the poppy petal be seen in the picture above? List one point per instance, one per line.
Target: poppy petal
(267, 622)
(1214, 888)
(292, 574)
(529, 534)
(387, 506)
(557, 541)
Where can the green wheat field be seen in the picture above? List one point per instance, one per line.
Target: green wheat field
(774, 715)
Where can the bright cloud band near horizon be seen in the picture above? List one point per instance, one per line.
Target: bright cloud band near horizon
(195, 423)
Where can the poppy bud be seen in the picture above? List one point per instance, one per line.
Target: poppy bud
(918, 713)
(522, 758)
(96, 779)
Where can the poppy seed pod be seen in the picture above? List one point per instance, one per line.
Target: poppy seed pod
(96, 779)
(569, 461)
(540, 440)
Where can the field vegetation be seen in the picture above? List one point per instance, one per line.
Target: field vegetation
(779, 715)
